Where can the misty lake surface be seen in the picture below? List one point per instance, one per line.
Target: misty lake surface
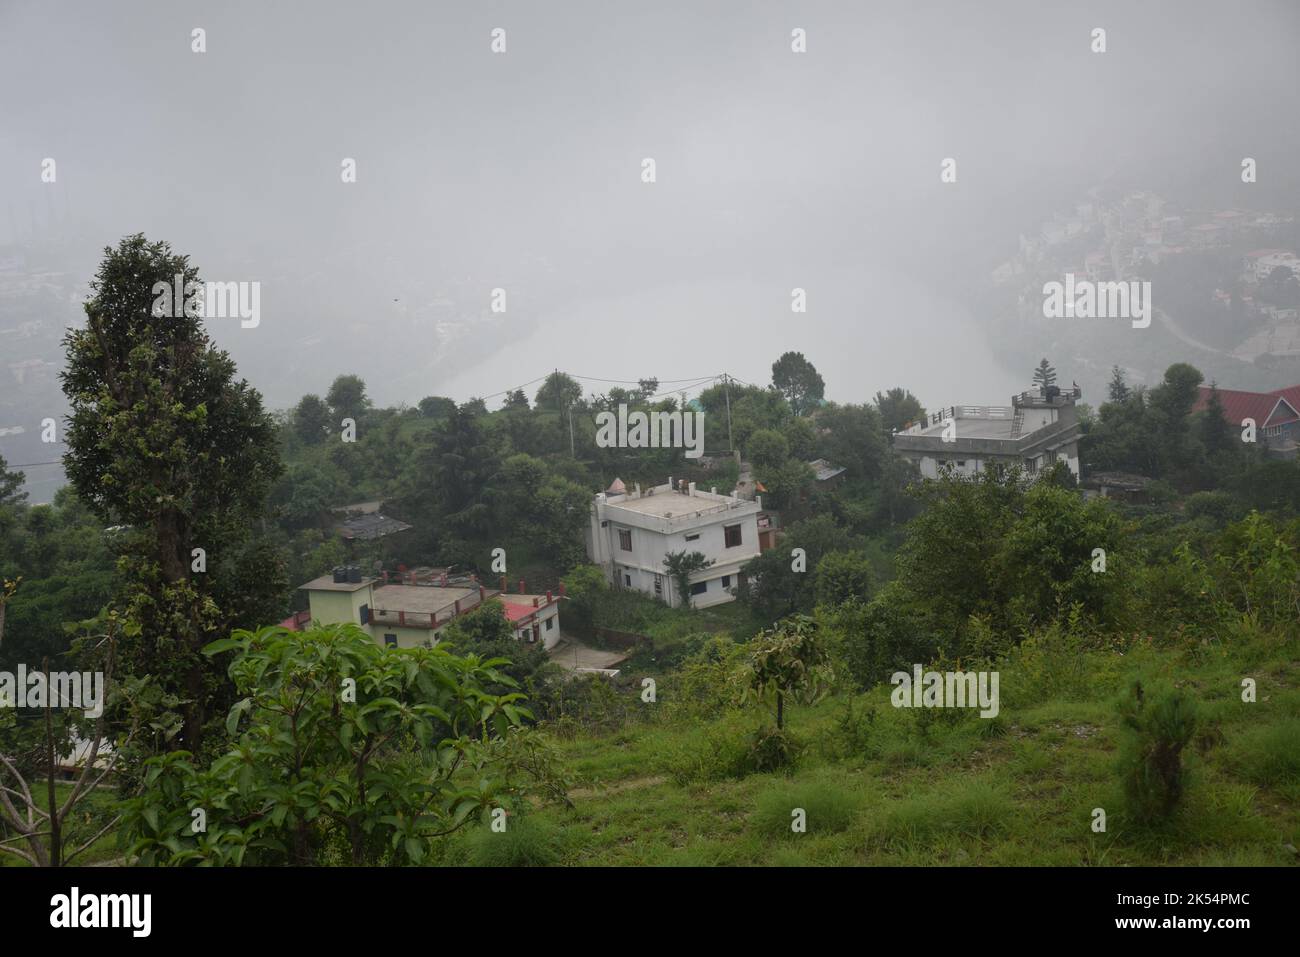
(864, 334)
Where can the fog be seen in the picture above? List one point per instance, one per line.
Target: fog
(522, 171)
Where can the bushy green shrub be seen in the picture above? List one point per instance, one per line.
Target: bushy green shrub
(525, 842)
(720, 752)
(707, 682)
(587, 701)
(856, 730)
(827, 809)
(1158, 724)
(874, 639)
(1260, 570)
(1219, 506)
(771, 749)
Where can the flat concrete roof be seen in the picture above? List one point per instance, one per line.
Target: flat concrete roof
(674, 504)
(981, 428)
(424, 599)
(327, 583)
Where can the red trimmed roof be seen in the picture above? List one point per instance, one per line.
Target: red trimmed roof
(1266, 408)
(516, 612)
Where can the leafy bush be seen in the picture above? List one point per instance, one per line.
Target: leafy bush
(877, 638)
(771, 749)
(1219, 506)
(589, 701)
(348, 752)
(707, 682)
(1263, 570)
(844, 576)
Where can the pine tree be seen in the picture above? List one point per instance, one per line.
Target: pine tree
(1044, 376)
(1118, 389)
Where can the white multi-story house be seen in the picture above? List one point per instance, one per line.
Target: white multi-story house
(632, 531)
(1034, 432)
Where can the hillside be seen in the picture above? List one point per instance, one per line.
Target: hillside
(884, 786)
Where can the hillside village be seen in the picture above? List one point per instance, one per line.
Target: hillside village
(589, 614)
(1222, 283)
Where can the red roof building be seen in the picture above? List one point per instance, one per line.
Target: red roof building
(1276, 414)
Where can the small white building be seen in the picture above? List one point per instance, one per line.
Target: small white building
(632, 531)
(534, 618)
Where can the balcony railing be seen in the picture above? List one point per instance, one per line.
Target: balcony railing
(1035, 399)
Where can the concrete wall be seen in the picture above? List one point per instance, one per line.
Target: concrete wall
(407, 637)
(337, 607)
(975, 463)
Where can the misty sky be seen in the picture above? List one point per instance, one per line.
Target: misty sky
(522, 170)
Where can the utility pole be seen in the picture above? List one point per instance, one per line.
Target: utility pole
(572, 453)
(726, 389)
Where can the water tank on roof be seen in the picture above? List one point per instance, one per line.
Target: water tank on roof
(340, 574)
(354, 574)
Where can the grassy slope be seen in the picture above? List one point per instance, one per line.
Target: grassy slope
(1019, 790)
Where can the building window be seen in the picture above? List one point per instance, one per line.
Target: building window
(550, 623)
(390, 641)
(732, 533)
(699, 588)
(726, 581)
(693, 538)
(961, 463)
(365, 614)
(659, 586)
(625, 539)
(628, 580)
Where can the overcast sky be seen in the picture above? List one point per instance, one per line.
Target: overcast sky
(522, 170)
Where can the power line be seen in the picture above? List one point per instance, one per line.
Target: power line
(590, 378)
(694, 381)
(682, 389)
(515, 389)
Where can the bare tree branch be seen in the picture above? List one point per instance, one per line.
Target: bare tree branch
(68, 859)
